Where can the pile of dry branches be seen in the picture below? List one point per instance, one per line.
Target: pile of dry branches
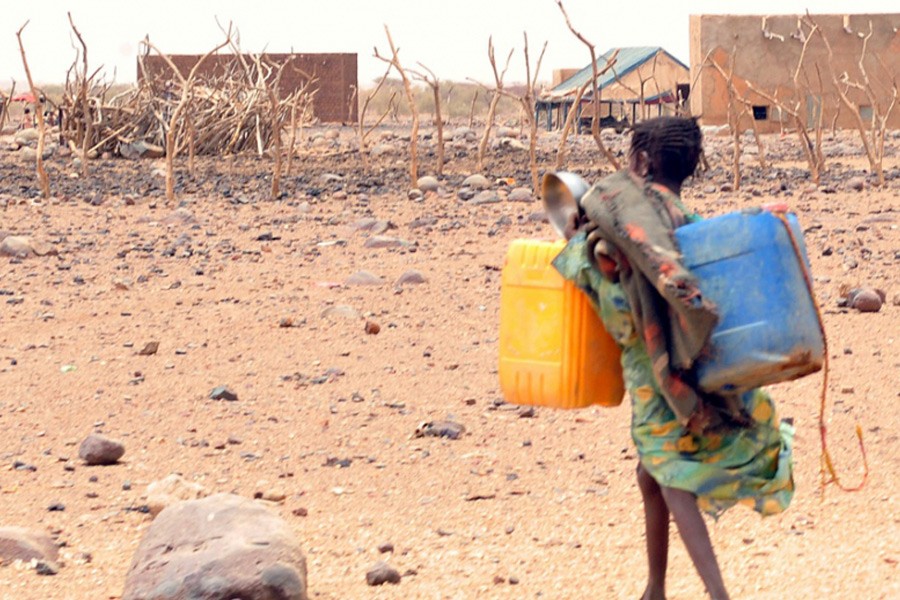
(227, 114)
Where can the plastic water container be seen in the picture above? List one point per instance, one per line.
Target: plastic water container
(554, 350)
(768, 330)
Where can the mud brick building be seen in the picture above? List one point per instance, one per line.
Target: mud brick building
(765, 53)
(335, 78)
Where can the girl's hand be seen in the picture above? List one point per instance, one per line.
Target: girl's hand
(704, 416)
(573, 224)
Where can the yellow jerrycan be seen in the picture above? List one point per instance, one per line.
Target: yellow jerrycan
(554, 350)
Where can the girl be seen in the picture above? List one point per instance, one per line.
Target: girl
(697, 452)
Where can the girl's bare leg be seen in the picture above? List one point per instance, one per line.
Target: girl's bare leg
(683, 506)
(656, 516)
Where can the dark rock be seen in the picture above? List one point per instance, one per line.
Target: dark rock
(100, 450)
(149, 349)
(465, 194)
(372, 328)
(220, 547)
(46, 567)
(865, 300)
(385, 547)
(485, 197)
(447, 429)
(382, 573)
(857, 183)
(383, 241)
(18, 543)
(411, 277)
(223, 392)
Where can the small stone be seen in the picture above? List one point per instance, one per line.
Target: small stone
(383, 241)
(223, 393)
(465, 194)
(46, 567)
(857, 183)
(411, 277)
(427, 183)
(865, 300)
(382, 573)
(485, 197)
(56, 507)
(520, 194)
(169, 490)
(100, 450)
(476, 181)
(385, 547)
(447, 429)
(364, 278)
(372, 328)
(149, 349)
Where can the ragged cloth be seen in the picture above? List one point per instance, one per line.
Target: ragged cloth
(630, 239)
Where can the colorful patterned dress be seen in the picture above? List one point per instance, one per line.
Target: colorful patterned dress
(749, 465)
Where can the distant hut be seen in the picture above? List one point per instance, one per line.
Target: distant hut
(644, 81)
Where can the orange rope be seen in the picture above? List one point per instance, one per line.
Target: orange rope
(827, 466)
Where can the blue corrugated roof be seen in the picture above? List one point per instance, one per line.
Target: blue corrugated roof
(627, 60)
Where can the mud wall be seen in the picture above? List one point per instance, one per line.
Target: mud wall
(765, 53)
(335, 78)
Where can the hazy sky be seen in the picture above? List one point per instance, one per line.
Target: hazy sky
(448, 36)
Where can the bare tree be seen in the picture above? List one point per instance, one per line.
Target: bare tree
(362, 132)
(527, 101)
(812, 147)
(394, 61)
(472, 109)
(496, 94)
(43, 180)
(595, 91)
(431, 80)
(873, 141)
(5, 100)
(83, 85)
(302, 100)
(567, 126)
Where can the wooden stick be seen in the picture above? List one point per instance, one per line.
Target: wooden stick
(43, 180)
(595, 90)
(407, 88)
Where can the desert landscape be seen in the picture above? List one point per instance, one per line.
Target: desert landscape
(353, 320)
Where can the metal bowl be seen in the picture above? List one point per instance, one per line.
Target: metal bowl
(561, 193)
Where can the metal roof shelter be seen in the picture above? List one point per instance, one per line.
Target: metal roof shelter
(641, 76)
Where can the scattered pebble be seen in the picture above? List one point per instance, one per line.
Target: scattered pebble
(382, 573)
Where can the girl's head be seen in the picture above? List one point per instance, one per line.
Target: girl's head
(666, 149)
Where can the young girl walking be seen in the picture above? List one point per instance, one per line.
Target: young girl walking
(698, 452)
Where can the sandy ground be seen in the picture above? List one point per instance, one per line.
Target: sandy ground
(542, 507)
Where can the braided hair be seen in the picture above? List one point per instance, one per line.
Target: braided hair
(672, 144)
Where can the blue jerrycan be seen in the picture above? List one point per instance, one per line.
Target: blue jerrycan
(768, 330)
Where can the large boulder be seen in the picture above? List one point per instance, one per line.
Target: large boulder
(220, 547)
(18, 543)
